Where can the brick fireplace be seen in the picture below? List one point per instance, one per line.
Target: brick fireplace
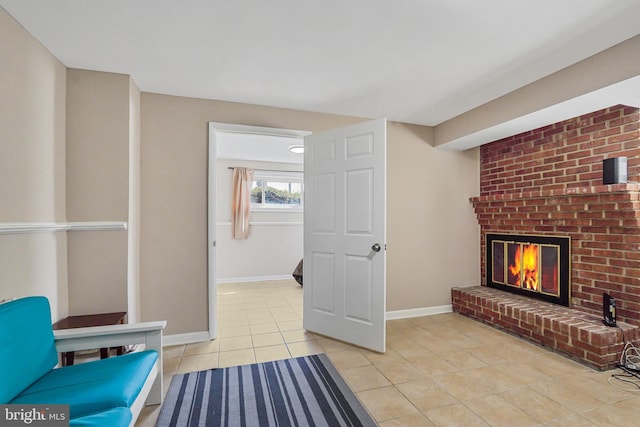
(548, 181)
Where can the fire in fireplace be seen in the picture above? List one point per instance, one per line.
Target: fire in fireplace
(535, 266)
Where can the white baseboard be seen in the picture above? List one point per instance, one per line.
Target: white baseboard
(418, 312)
(194, 337)
(188, 338)
(253, 279)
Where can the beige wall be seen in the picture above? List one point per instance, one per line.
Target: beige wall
(174, 207)
(32, 166)
(432, 232)
(611, 66)
(98, 135)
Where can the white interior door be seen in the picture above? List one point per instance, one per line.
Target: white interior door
(345, 234)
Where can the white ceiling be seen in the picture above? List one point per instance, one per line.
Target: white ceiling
(258, 144)
(414, 61)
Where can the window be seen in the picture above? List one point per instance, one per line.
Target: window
(275, 190)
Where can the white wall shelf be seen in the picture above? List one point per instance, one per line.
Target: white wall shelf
(43, 227)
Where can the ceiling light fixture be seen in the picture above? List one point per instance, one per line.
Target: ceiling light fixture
(297, 149)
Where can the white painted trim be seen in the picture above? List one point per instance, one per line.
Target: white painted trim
(253, 279)
(107, 336)
(41, 227)
(266, 223)
(97, 226)
(32, 227)
(258, 130)
(212, 299)
(256, 207)
(418, 312)
(188, 338)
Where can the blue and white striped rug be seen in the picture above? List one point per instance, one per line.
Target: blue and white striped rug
(305, 391)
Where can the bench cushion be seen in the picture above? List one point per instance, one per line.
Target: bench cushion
(116, 417)
(94, 386)
(27, 347)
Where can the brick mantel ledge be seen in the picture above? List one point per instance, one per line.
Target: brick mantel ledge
(562, 192)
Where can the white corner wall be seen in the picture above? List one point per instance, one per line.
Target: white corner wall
(275, 243)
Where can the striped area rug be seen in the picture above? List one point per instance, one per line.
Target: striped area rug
(305, 391)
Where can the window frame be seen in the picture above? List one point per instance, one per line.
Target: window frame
(280, 177)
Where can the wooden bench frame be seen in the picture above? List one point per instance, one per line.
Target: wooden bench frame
(147, 335)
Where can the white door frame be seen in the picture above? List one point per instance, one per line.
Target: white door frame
(211, 232)
(215, 131)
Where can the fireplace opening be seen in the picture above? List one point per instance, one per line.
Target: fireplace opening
(535, 266)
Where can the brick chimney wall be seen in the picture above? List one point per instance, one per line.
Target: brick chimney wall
(548, 181)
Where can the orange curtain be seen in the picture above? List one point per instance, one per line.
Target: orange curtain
(241, 202)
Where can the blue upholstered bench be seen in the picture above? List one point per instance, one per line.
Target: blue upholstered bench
(107, 392)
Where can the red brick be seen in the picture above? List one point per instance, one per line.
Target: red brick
(593, 128)
(627, 136)
(607, 116)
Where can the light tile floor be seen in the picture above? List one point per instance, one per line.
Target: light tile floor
(443, 370)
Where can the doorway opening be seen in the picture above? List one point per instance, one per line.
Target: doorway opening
(274, 246)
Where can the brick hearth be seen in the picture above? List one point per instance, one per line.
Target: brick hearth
(576, 334)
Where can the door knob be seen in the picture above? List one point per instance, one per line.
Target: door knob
(375, 247)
